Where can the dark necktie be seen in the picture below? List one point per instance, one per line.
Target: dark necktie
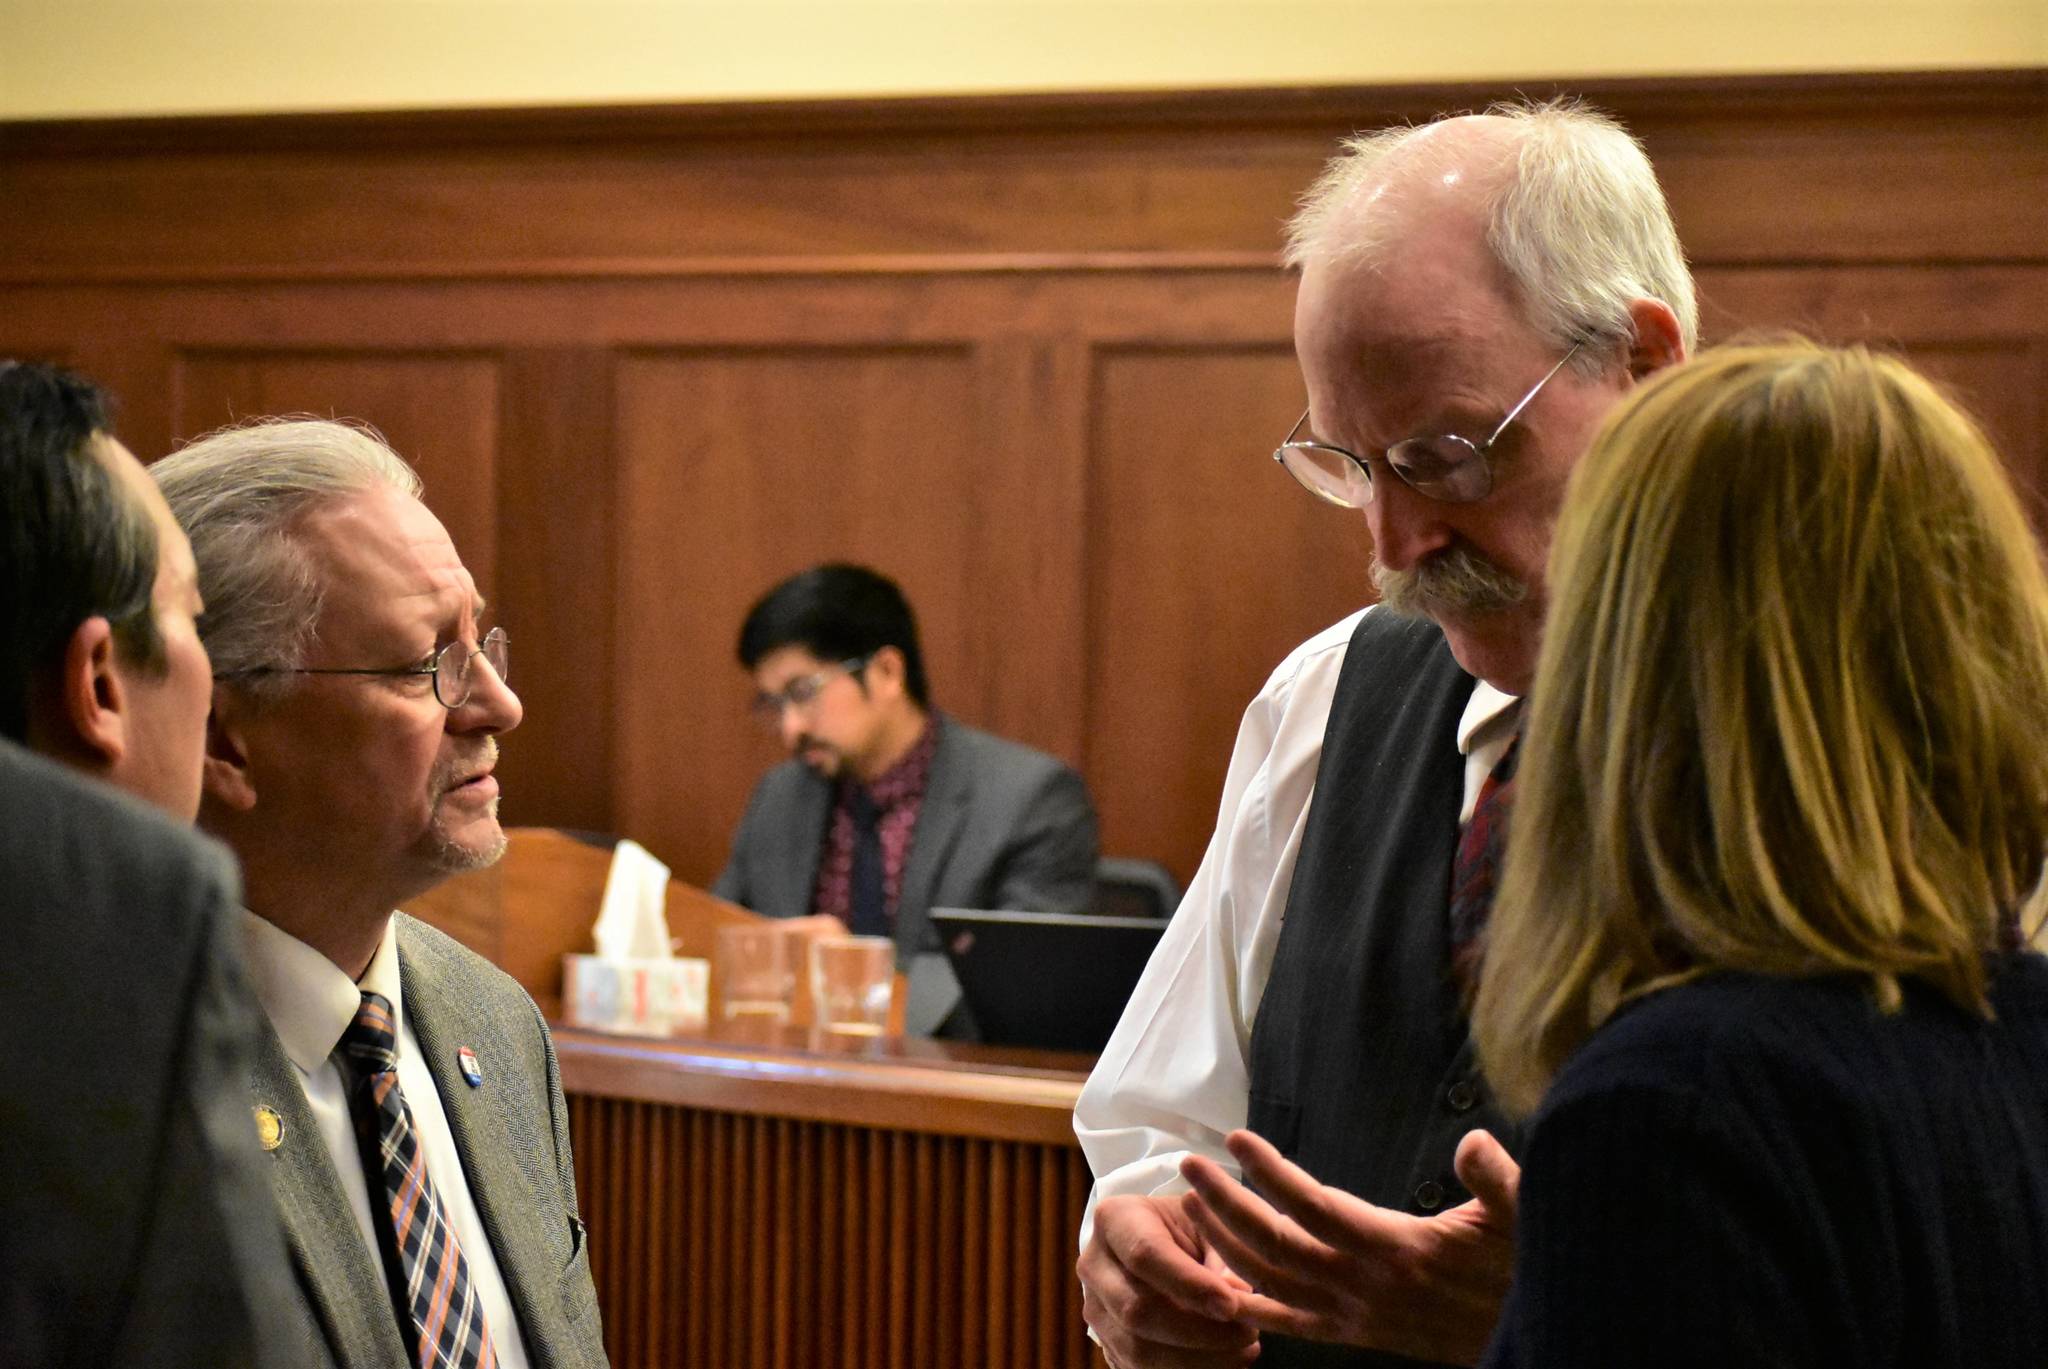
(439, 1308)
(867, 897)
(1474, 873)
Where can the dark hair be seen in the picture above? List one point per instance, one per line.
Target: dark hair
(836, 612)
(73, 545)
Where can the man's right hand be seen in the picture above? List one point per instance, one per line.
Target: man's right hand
(1155, 1294)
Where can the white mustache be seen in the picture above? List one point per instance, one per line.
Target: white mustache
(1457, 580)
(462, 768)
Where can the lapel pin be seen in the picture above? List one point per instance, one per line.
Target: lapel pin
(269, 1127)
(467, 1059)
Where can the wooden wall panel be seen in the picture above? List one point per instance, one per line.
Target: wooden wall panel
(557, 583)
(971, 330)
(2005, 385)
(1207, 564)
(1981, 330)
(440, 411)
(740, 468)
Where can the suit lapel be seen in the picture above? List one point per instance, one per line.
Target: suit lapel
(344, 1284)
(939, 822)
(445, 1020)
(798, 869)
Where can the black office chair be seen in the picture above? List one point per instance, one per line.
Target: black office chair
(1129, 887)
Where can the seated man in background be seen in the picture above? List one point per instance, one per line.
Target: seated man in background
(421, 1141)
(136, 1224)
(889, 808)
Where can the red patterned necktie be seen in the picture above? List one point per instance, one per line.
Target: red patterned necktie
(1476, 869)
(443, 1312)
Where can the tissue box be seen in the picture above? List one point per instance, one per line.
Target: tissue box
(638, 997)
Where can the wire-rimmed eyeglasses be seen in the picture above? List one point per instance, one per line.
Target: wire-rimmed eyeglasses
(803, 691)
(454, 676)
(1441, 466)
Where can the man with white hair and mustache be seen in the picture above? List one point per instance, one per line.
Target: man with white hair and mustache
(1476, 294)
(408, 1095)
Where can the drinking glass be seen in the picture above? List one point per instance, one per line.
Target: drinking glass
(851, 980)
(756, 972)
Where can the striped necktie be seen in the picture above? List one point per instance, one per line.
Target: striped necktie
(443, 1315)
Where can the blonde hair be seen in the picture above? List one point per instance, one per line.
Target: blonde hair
(1577, 221)
(1791, 711)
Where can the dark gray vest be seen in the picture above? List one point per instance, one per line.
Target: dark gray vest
(1362, 1069)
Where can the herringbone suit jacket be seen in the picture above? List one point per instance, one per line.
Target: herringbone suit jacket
(512, 1132)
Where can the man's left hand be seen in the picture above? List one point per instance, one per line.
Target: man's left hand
(1329, 1266)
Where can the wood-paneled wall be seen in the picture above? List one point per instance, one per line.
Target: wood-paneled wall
(1026, 355)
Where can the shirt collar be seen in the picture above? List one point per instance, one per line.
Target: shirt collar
(906, 779)
(1488, 713)
(308, 999)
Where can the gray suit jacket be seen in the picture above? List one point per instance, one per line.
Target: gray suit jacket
(136, 1227)
(1002, 826)
(513, 1135)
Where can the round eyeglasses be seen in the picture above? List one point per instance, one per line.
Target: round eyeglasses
(1443, 466)
(451, 667)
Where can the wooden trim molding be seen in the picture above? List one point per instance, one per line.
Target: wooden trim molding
(999, 1097)
(1058, 113)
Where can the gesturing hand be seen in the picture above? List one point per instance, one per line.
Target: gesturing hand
(1329, 1266)
(1155, 1293)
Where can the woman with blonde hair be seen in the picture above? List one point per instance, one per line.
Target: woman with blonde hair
(1778, 832)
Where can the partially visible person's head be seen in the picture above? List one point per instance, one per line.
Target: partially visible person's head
(100, 661)
(325, 577)
(834, 655)
(1792, 710)
(1446, 270)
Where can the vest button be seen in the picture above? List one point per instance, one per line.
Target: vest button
(1429, 1196)
(1462, 1096)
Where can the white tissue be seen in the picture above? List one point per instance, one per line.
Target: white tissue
(632, 921)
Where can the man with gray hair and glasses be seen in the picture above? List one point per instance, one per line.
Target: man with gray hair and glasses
(1475, 294)
(408, 1092)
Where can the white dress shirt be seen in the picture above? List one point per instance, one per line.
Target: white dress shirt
(1175, 1077)
(311, 1002)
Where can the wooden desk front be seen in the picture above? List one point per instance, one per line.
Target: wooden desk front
(769, 1198)
(777, 1197)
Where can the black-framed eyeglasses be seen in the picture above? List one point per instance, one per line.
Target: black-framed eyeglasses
(454, 675)
(1442, 466)
(803, 691)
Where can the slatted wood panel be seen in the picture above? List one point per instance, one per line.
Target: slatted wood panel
(778, 1243)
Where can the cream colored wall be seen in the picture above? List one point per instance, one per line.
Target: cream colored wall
(61, 58)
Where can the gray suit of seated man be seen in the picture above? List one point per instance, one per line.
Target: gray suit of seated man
(889, 808)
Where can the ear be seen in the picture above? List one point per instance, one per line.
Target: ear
(885, 668)
(1658, 341)
(91, 697)
(226, 774)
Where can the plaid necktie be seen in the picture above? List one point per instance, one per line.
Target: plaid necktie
(444, 1317)
(1476, 869)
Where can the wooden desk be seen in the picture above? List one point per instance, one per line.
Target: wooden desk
(765, 1197)
(777, 1197)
